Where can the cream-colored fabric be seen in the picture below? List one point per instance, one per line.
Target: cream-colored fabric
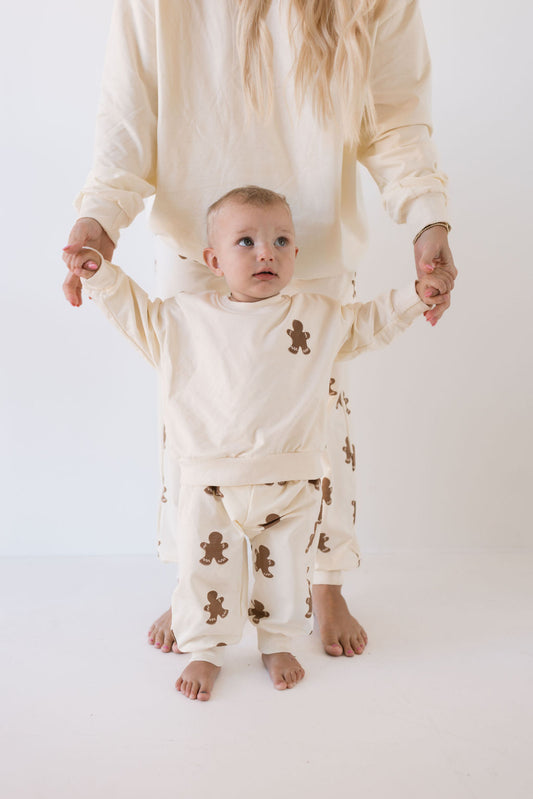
(173, 121)
(339, 548)
(245, 386)
(211, 604)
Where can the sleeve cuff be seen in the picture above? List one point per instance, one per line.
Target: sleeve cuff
(426, 210)
(408, 304)
(103, 280)
(111, 218)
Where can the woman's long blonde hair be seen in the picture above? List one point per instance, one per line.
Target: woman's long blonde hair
(332, 63)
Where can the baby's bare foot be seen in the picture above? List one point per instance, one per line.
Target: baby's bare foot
(161, 636)
(197, 680)
(341, 634)
(284, 670)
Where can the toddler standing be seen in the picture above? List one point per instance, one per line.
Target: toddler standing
(245, 384)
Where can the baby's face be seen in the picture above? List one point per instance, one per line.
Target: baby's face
(253, 248)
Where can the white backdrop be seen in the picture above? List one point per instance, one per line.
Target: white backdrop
(443, 417)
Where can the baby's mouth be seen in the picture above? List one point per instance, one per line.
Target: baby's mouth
(265, 273)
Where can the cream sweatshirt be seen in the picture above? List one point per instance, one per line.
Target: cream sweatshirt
(245, 386)
(172, 121)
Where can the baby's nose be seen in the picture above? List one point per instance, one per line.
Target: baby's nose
(265, 252)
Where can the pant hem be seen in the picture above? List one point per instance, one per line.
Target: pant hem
(214, 655)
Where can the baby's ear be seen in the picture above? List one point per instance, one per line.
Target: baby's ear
(211, 261)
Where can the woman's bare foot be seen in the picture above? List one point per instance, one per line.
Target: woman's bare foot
(197, 680)
(161, 636)
(284, 670)
(341, 634)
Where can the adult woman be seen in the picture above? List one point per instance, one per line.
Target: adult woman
(199, 97)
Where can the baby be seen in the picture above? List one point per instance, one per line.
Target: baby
(245, 390)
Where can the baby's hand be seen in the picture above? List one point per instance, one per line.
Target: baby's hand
(82, 261)
(428, 294)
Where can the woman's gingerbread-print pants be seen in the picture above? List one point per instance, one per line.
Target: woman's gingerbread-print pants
(339, 549)
(212, 602)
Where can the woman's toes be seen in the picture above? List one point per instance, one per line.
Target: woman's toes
(334, 649)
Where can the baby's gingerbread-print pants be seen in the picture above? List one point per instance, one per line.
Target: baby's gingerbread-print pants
(339, 549)
(212, 600)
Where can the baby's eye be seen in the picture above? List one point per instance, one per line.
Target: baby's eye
(246, 241)
(282, 241)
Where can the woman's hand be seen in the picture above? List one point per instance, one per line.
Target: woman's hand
(434, 263)
(86, 232)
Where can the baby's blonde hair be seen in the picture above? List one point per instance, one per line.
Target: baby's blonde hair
(245, 195)
(332, 60)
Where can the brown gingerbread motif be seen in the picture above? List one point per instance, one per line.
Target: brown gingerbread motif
(322, 543)
(257, 611)
(164, 495)
(214, 549)
(263, 561)
(342, 402)
(327, 490)
(214, 491)
(270, 520)
(214, 608)
(332, 392)
(315, 483)
(309, 602)
(354, 506)
(313, 534)
(299, 338)
(349, 451)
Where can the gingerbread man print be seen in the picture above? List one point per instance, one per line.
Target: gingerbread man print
(214, 549)
(322, 543)
(215, 608)
(214, 491)
(270, 520)
(257, 611)
(299, 338)
(263, 562)
(349, 451)
(313, 534)
(309, 602)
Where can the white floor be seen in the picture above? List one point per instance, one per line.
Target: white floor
(440, 706)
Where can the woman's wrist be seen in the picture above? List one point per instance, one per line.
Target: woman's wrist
(445, 225)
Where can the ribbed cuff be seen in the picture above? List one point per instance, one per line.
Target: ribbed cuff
(214, 655)
(323, 577)
(407, 303)
(102, 280)
(270, 644)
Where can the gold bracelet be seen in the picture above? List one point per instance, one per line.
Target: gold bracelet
(445, 225)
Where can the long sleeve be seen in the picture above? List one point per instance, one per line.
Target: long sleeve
(401, 156)
(128, 306)
(124, 165)
(374, 324)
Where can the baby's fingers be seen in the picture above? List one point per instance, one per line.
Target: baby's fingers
(437, 285)
(81, 261)
(441, 304)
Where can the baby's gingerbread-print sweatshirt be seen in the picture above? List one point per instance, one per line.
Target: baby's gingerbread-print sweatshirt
(245, 386)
